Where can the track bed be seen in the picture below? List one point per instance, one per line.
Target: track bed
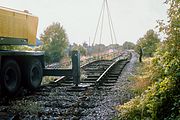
(53, 101)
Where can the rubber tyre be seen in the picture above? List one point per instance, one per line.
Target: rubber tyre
(10, 77)
(33, 74)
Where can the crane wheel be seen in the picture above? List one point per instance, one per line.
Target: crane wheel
(10, 77)
(33, 74)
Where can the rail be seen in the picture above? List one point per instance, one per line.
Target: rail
(100, 79)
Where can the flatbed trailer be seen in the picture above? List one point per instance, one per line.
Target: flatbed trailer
(25, 68)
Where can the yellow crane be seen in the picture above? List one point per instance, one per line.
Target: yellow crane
(17, 27)
(25, 68)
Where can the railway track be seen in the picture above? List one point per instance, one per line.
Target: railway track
(98, 73)
(54, 99)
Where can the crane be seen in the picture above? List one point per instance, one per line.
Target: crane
(20, 68)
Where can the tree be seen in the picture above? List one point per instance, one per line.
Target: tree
(80, 48)
(98, 48)
(161, 101)
(168, 56)
(85, 45)
(55, 42)
(128, 45)
(114, 46)
(148, 43)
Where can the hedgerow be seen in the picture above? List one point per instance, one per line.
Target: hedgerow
(162, 99)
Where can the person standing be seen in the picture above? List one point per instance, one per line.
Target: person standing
(140, 54)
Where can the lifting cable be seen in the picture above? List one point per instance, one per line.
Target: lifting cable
(98, 22)
(111, 23)
(101, 22)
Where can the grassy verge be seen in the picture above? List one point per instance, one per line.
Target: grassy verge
(140, 83)
(155, 99)
(141, 80)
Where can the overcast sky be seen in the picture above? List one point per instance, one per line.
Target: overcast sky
(131, 18)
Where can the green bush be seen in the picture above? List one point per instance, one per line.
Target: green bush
(162, 99)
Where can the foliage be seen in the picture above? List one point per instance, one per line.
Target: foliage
(98, 48)
(86, 49)
(142, 78)
(80, 48)
(155, 103)
(26, 106)
(85, 45)
(48, 79)
(162, 99)
(128, 45)
(55, 42)
(114, 46)
(148, 43)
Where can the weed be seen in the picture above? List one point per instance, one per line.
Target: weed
(48, 79)
(26, 106)
(141, 80)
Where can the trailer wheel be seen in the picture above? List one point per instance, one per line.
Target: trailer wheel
(10, 77)
(33, 74)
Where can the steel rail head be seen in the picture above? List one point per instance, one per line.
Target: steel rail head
(99, 80)
(95, 61)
